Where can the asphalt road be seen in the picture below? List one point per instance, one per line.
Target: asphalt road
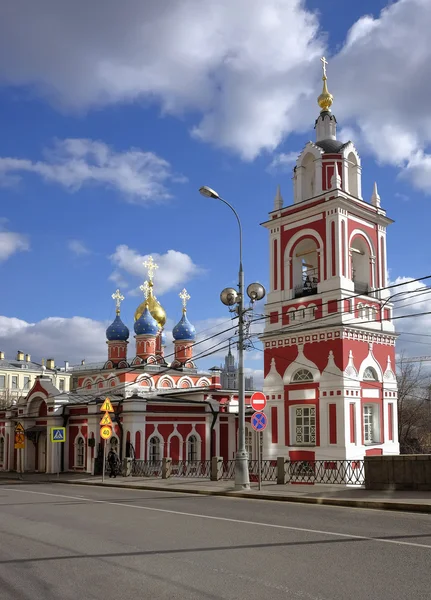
(61, 542)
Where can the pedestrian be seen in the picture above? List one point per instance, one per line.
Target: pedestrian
(113, 461)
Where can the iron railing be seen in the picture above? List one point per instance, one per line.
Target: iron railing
(347, 472)
(191, 468)
(146, 468)
(268, 471)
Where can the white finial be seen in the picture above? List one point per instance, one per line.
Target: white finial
(336, 179)
(278, 200)
(375, 198)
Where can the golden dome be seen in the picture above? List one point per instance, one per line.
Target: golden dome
(156, 309)
(325, 99)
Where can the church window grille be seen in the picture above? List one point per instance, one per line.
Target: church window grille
(305, 426)
(249, 443)
(80, 453)
(371, 425)
(192, 448)
(302, 375)
(2, 446)
(370, 374)
(154, 449)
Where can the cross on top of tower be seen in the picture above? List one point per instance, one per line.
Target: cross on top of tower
(185, 297)
(324, 63)
(146, 289)
(118, 297)
(151, 266)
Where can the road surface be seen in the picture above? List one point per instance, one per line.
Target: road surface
(63, 542)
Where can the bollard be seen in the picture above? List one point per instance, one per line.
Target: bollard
(166, 468)
(216, 468)
(281, 477)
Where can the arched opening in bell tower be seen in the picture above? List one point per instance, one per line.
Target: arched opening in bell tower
(360, 267)
(305, 268)
(353, 175)
(308, 176)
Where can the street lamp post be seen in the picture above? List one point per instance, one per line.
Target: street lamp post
(229, 297)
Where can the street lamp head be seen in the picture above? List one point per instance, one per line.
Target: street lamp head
(255, 292)
(208, 192)
(229, 296)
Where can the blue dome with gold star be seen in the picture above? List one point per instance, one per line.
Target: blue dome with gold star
(117, 331)
(146, 324)
(184, 330)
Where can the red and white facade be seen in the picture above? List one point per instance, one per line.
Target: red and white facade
(329, 341)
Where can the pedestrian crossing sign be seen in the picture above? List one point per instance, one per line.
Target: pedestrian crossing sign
(58, 434)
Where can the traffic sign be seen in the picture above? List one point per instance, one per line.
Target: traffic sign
(105, 432)
(19, 442)
(58, 434)
(107, 406)
(258, 401)
(106, 419)
(259, 421)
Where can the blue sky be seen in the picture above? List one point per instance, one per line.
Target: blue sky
(215, 110)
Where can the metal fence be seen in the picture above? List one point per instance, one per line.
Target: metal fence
(268, 472)
(146, 468)
(347, 472)
(191, 468)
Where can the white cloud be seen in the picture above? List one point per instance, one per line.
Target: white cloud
(60, 338)
(78, 248)
(247, 79)
(283, 161)
(11, 242)
(73, 163)
(175, 268)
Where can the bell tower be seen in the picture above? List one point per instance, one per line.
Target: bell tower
(329, 341)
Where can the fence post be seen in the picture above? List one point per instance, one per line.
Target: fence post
(216, 468)
(166, 468)
(281, 477)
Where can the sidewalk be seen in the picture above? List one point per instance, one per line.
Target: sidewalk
(332, 495)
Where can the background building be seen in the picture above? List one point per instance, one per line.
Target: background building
(229, 374)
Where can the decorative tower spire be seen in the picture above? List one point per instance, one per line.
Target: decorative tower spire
(117, 335)
(278, 200)
(375, 198)
(325, 99)
(326, 123)
(184, 335)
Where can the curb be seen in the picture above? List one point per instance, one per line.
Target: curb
(369, 504)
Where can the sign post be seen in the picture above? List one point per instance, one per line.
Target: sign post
(19, 444)
(259, 459)
(259, 421)
(105, 429)
(58, 436)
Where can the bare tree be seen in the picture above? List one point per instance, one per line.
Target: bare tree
(414, 422)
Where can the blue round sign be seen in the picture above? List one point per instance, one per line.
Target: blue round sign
(259, 421)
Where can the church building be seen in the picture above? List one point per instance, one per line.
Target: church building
(329, 339)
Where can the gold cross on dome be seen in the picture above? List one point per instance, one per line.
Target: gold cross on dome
(118, 297)
(324, 63)
(146, 289)
(151, 266)
(185, 297)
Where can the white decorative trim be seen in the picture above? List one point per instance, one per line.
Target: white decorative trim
(182, 379)
(301, 362)
(203, 382)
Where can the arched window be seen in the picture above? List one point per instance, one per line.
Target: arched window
(302, 375)
(308, 176)
(361, 272)
(192, 448)
(370, 374)
(2, 447)
(305, 268)
(374, 313)
(80, 452)
(154, 454)
(353, 175)
(361, 311)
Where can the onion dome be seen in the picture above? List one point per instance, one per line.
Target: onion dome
(117, 330)
(146, 324)
(156, 309)
(184, 330)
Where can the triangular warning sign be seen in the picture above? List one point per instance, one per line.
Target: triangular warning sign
(58, 434)
(19, 427)
(106, 419)
(107, 406)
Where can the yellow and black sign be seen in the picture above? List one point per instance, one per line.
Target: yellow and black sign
(19, 437)
(105, 432)
(106, 419)
(107, 406)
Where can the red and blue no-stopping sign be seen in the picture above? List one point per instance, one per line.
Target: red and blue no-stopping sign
(259, 421)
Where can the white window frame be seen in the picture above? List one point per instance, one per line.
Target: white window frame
(372, 370)
(79, 447)
(159, 449)
(26, 383)
(308, 380)
(249, 442)
(303, 430)
(14, 382)
(193, 454)
(371, 426)
(3, 379)
(61, 385)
